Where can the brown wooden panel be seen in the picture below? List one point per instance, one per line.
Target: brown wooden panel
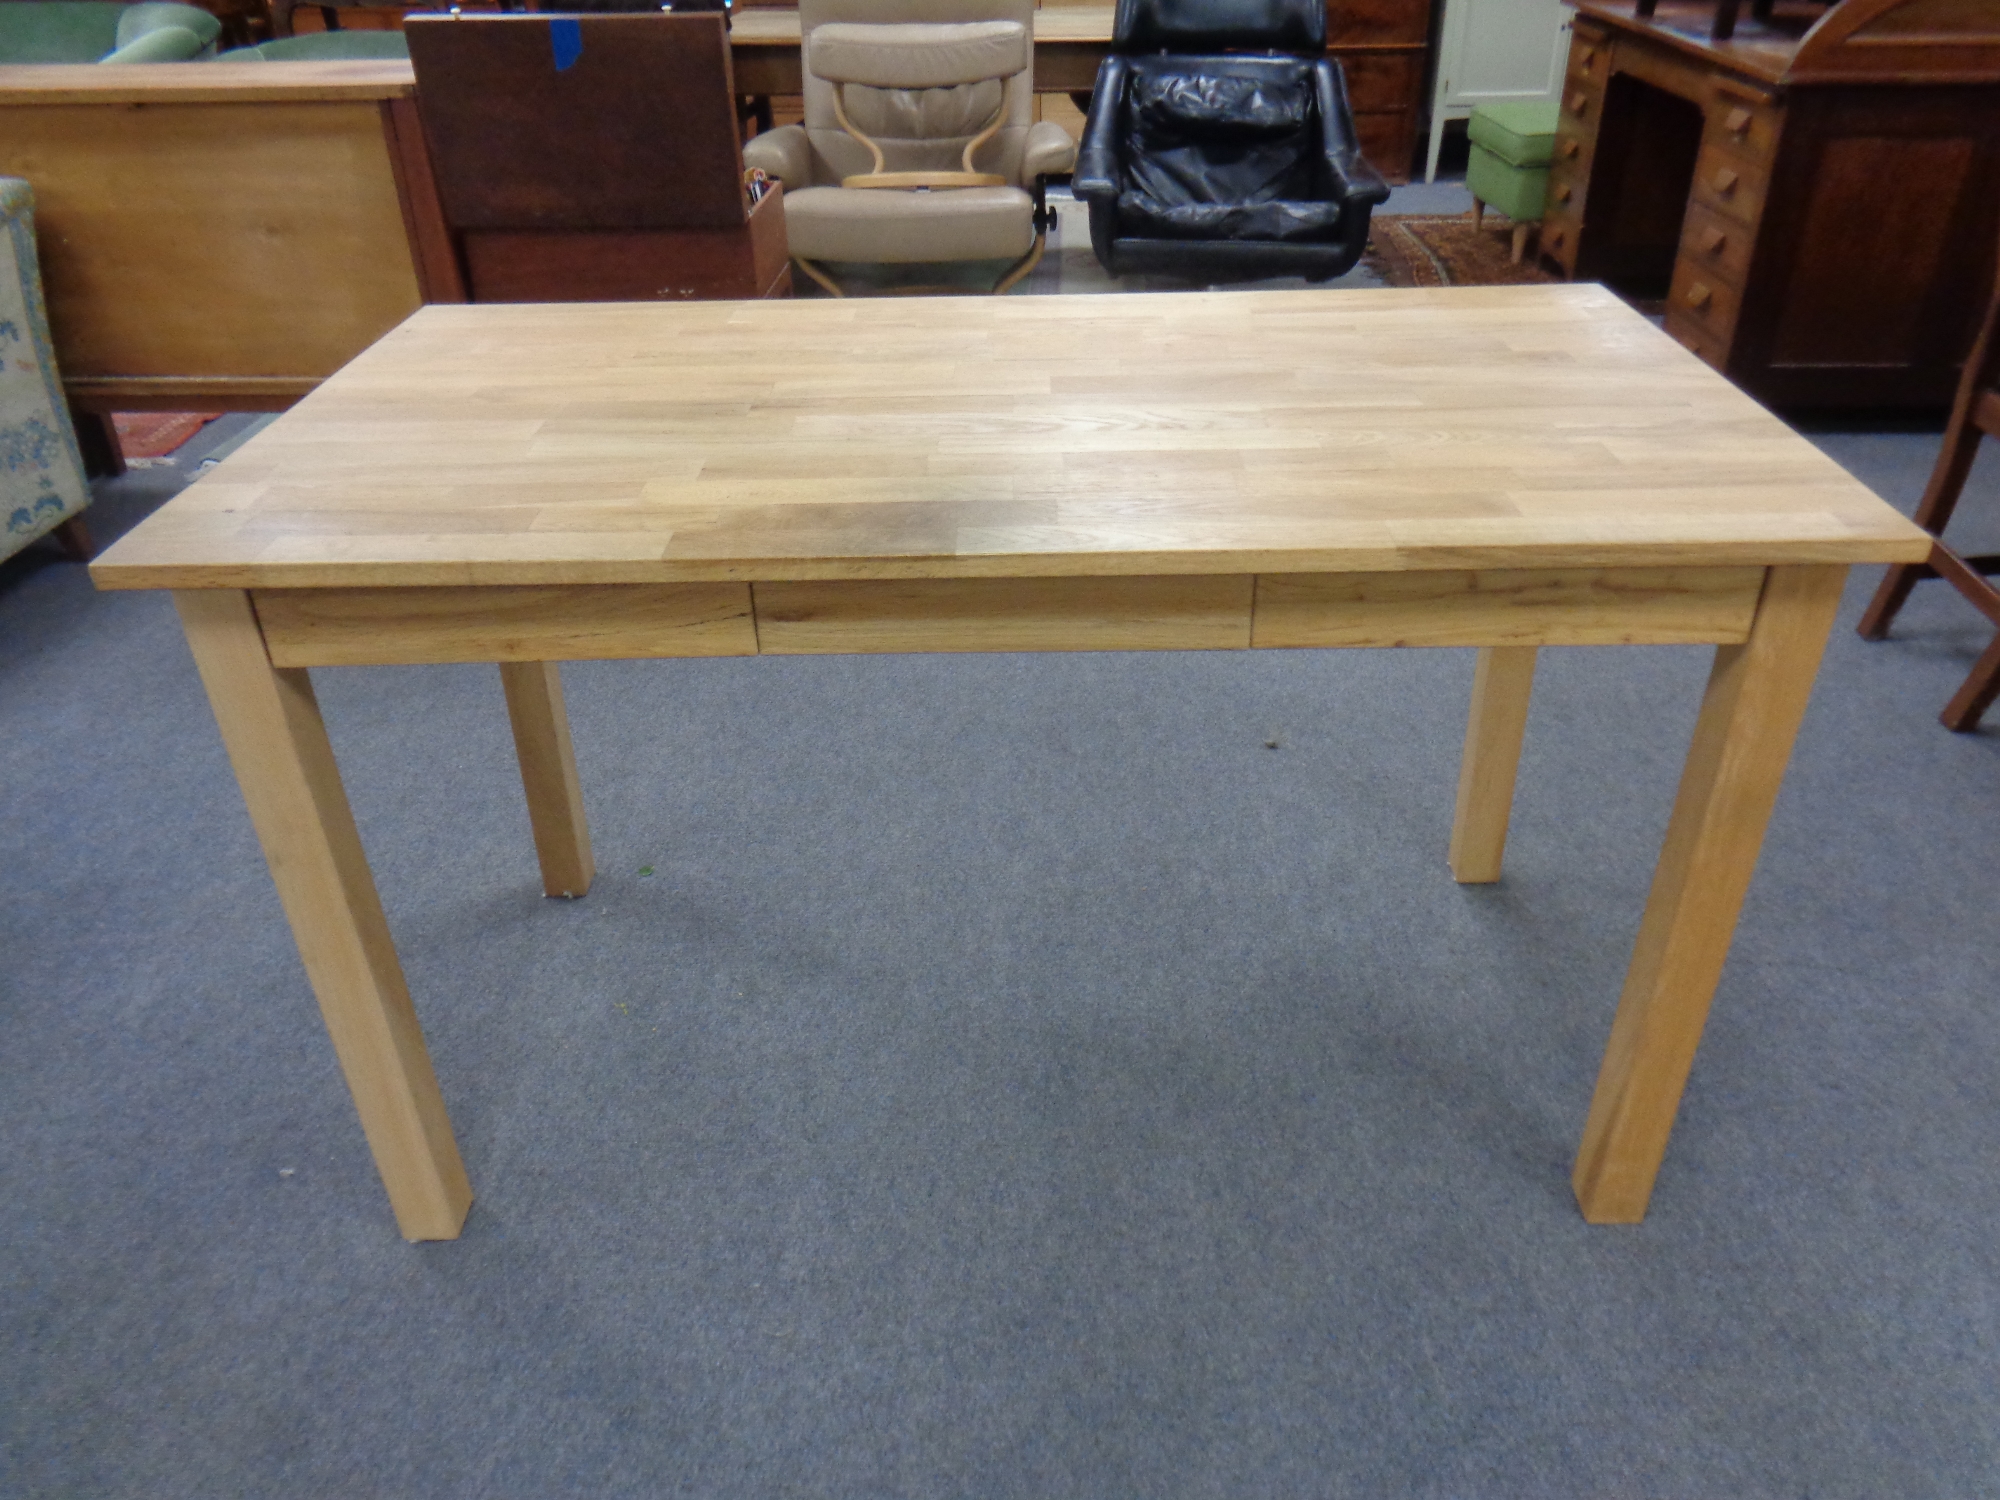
(629, 265)
(1879, 218)
(1382, 81)
(1574, 607)
(1377, 22)
(218, 241)
(1004, 614)
(637, 131)
(356, 627)
(1389, 142)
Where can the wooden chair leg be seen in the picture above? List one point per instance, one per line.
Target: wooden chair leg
(1478, 214)
(1520, 241)
(73, 536)
(1971, 701)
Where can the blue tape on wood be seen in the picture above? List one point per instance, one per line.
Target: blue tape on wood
(566, 41)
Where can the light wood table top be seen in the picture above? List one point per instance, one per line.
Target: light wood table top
(1310, 431)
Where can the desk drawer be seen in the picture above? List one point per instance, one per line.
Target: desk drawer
(1576, 145)
(1582, 106)
(1718, 247)
(1382, 81)
(1704, 301)
(1560, 231)
(1589, 61)
(1729, 185)
(1712, 351)
(1744, 125)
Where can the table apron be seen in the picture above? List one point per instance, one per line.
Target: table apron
(1505, 607)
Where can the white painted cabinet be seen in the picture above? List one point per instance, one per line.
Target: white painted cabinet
(1489, 50)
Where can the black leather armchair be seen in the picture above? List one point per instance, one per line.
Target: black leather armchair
(1220, 145)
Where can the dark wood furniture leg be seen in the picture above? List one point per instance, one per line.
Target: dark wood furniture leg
(97, 438)
(1974, 414)
(73, 536)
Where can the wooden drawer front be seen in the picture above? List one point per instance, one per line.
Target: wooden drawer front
(1381, 81)
(1575, 144)
(1714, 352)
(1744, 126)
(1376, 22)
(1389, 141)
(1729, 185)
(1718, 249)
(1699, 300)
(1565, 194)
(1589, 61)
(1559, 236)
(1582, 104)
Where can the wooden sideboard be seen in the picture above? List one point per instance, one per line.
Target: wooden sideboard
(219, 236)
(1383, 46)
(1818, 197)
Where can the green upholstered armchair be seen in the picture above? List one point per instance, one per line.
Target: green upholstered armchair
(42, 487)
(84, 31)
(323, 46)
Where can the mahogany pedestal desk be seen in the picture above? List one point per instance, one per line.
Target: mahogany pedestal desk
(1818, 195)
(1504, 468)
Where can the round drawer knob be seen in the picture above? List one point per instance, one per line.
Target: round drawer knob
(1565, 193)
(1570, 148)
(1725, 181)
(1578, 103)
(1712, 241)
(1699, 295)
(1738, 122)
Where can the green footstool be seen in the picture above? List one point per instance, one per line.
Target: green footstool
(1512, 146)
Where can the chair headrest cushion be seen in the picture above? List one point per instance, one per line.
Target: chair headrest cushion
(1197, 26)
(917, 55)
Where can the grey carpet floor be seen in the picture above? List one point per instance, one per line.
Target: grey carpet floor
(996, 1076)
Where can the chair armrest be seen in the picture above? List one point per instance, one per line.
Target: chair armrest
(1048, 150)
(1356, 182)
(136, 21)
(166, 44)
(785, 153)
(1097, 159)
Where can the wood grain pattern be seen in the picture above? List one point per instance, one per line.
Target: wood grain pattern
(548, 775)
(1750, 714)
(234, 242)
(355, 627)
(1004, 614)
(1545, 607)
(1502, 685)
(157, 84)
(277, 743)
(1199, 433)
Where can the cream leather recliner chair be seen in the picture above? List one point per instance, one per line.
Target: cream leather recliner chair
(924, 110)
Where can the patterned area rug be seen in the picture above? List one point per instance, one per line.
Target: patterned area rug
(155, 434)
(1445, 250)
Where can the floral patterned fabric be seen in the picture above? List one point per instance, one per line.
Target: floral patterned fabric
(41, 472)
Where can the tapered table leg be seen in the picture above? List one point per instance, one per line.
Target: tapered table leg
(277, 742)
(1501, 687)
(1750, 715)
(548, 775)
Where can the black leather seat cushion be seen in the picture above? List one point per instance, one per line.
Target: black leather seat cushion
(1224, 148)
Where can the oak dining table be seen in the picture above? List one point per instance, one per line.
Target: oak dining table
(1496, 468)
